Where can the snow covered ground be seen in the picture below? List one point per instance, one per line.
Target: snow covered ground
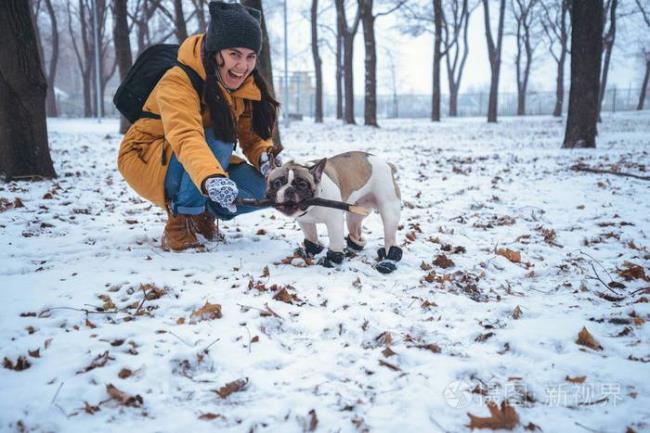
(90, 300)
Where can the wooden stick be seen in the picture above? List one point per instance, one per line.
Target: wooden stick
(316, 201)
(580, 167)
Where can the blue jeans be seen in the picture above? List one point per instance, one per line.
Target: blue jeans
(185, 197)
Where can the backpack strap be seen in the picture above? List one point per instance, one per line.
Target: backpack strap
(197, 83)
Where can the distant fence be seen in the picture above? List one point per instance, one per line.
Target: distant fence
(416, 106)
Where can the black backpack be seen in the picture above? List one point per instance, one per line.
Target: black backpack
(143, 76)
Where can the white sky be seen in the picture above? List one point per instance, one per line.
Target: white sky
(413, 56)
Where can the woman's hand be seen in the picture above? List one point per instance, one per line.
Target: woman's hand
(222, 191)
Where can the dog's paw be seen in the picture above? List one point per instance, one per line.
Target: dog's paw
(312, 249)
(386, 267)
(394, 254)
(352, 245)
(331, 259)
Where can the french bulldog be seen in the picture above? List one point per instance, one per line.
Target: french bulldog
(354, 177)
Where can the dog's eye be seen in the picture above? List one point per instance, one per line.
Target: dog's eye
(301, 184)
(277, 183)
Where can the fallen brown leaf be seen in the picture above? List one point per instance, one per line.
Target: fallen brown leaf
(443, 262)
(384, 339)
(512, 255)
(90, 409)
(388, 352)
(284, 296)
(107, 303)
(500, 418)
(152, 292)
(576, 379)
(265, 272)
(209, 416)
(431, 347)
(207, 312)
(586, 339)
(516, 313)
(21, 364)
(99, 361)
(35, 353)
(124, 373)
(633, 271)
(123, 398)
(232, 387)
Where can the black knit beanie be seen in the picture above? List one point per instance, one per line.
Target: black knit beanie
(233, 25)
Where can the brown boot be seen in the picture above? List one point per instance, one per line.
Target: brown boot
(204, 225)
(179, 234)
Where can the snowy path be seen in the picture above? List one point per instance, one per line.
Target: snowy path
(413, 351)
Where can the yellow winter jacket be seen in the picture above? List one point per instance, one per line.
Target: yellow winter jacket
(147, 146)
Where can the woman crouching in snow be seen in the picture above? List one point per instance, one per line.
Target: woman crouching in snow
(178, 154)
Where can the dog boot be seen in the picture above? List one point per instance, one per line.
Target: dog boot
(331, 259)
(387, 262)
(203, 224)
(179, 234)
(310, 249)
(354, 245)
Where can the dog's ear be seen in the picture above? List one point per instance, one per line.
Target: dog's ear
(316, 170)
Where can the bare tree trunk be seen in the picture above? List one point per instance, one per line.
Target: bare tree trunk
(564, 40)
(318, 64)
(51, 75)
(525, 15)
(586, 55)
(339, 68)
(24, 150)
(264, 65)
(608, 45)
(179, 20)
(644, 86)
(122, 45)
(494, 53)
(348, 56)
(370, 61)
(437, 39)
(454, 23)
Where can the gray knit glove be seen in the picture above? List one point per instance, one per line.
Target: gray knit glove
(222, 191)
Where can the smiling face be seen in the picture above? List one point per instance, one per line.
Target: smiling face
(293, 183)
(235, 65)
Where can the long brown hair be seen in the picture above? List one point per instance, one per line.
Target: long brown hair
(223, 123)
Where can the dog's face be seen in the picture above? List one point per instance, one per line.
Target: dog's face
(292, 183)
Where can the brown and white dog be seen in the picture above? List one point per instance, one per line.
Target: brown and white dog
(354, 177)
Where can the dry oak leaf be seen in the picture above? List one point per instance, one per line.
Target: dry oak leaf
(207, 312)
(209, 416)
(443, 262)
(284, 296)
(586, 339)
(124, 398)
(504, 417)
(234, 386)
(512, 255)
(633, 271)
(21, 364)
(576, 379)
(90, 409)
(99, 361)
(431, 347)
(152, 291)
(124, 373)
